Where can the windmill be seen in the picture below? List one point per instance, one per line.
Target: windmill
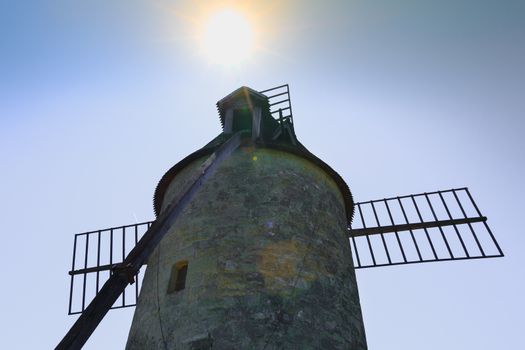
(250, 249)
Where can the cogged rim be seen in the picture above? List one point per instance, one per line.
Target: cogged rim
(301, 151)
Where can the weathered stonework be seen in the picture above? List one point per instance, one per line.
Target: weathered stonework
(269, 263)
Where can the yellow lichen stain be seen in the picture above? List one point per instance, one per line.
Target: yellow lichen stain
(283, 264)
(231, 284)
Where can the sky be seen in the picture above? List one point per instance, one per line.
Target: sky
(99, 98)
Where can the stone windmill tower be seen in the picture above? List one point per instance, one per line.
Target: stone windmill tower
(250, 248)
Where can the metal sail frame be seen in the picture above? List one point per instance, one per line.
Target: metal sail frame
(280, 102)
(426, 227)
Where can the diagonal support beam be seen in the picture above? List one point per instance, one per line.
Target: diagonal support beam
(413, 226)
(123, 273)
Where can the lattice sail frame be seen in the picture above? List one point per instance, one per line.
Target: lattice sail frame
(426, 227)
(280, 102)
(95, 253)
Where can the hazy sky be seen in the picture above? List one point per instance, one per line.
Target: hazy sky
(99, 98)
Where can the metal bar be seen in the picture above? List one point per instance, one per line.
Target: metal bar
(137, 275)
(425, 229)
(85, 275)
(123, 244)
(411, 232)
(123, 258)
(274, 88)
(439, 227)
(114, 228)
(112, 308)
(117, 282)
(397, 234)
(290, 99)
(413, 195)
(277, 95)
(412, 226)
(111, 246)
(472, 201)
(279, 102)
(469, 225)
(98, 258)
(455, 227)
(367, 237)
(91, 269)
(485, 223)
(432, 260)
(382, 236)
(72, 277)
(356, 252)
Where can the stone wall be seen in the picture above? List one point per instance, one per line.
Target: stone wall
(269, 263)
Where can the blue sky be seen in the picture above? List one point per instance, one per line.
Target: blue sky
(98, 99)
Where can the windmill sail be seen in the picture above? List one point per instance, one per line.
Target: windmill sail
(280, 102)
(95, 253)
(426, 227)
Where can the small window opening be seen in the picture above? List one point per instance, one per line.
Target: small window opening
(178, 276)
(242, 120)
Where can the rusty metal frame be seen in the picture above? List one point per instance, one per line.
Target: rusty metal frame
(280, 103)
(447, 233)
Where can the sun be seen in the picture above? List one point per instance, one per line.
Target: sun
(227, 38)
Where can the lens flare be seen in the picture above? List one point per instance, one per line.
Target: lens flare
(227, 38)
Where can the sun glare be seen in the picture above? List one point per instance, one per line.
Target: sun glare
(227, 38)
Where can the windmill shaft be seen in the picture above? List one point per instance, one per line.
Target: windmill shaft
(413, 226)
(93, 314)
(139, 255)
(123, 273)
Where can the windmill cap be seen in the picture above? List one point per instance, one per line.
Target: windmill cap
(243, 97)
